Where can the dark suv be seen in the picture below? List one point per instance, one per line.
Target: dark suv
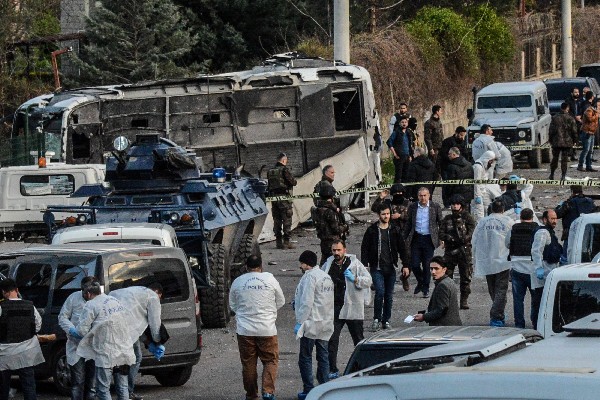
(560, 89)
(590, 70)
(48, 275)
(389, 344)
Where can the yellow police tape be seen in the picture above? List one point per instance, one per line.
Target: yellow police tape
(539, 182)
(520, 147)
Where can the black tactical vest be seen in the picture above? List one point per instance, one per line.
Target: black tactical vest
(17, 322)
(276, 180)
(521, 239)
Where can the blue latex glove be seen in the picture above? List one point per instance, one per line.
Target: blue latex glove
(297, 328)
(74, 333)
(349, 275)
(478, 200)
(152, 347)
(159, 352)
(514, 178)
(539, 272)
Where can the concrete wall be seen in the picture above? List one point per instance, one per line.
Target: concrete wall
(73, 14)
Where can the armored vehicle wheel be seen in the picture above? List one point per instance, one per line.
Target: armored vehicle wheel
(546, 156)
(533, 157)
(215, 300)
(247, 247)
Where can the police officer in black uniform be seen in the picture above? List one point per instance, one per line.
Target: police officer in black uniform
(329, 221)
(281, 181)
(20, 350)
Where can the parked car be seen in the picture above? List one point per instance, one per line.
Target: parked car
(590, 70)
(560, 89)
(562, 367)
(389, 344)
(140, 233)
(48, 275)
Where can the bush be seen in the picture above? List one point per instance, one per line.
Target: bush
(453, 35)
(388, 171)
(493, 37)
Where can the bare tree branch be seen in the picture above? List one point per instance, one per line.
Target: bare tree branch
(392, 6)
(309, 16)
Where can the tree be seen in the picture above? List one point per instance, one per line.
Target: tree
(134, 40)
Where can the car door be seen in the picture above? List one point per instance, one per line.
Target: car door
(177, 305)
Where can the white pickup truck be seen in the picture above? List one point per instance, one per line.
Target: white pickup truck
(26, 191)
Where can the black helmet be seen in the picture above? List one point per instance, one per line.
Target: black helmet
(327, 192)
(457, 199)
(397, 188)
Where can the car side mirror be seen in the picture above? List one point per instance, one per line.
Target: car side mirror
(541, 110)
(469, 114)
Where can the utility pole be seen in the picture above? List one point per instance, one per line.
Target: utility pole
(341, 30)
(567, 40)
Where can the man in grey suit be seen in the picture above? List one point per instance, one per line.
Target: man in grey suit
(422, 235)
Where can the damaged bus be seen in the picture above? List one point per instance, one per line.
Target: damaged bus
(318, 112)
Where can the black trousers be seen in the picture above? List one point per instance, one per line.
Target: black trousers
(565, 153)
(400, 168)
(355, 327)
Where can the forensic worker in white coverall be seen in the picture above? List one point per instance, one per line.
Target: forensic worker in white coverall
(143, 306)
(485, 141)
(504, 164)
(490, 258)
(313, 305)
(104, 327)
(83, 373)
(255, 298)
(481, 169)
(544, 250)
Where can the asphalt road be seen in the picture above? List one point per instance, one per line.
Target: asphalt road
(218, 374)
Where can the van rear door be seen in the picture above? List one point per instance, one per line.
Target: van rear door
(178, 303)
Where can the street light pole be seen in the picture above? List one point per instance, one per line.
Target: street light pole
(341, 30)
(567, 40)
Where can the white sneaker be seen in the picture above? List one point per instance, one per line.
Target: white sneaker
(386, 325)
(375, 326)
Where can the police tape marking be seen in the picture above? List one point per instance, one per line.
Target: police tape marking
(520, 147)
(539, 182)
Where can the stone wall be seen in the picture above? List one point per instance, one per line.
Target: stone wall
(73, 14)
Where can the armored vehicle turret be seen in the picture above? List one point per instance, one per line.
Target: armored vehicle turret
(217, 217)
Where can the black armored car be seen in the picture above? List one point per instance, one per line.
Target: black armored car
(217, 217)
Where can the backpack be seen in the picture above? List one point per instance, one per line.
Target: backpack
(553, 251)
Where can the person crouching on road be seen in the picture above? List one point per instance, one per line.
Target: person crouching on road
(104, 332)
(83, 372)
(20, 349)
(443, 305)
(255, 298)
(381, 245)
(313, 305)
(352, 290)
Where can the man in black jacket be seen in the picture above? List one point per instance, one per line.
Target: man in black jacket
(443, 306)
(457, 168)
(419, 170)
(381, 245)
(457, 140)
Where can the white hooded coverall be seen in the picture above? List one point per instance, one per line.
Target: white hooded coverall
(69, 318)
(482, 191)
(314, 305)
(490, 254)
(143, 306)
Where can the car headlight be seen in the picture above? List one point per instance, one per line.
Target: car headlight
(522, 134)
(81, 219)
(174, 217)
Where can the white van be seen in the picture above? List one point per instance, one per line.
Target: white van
(140, 233)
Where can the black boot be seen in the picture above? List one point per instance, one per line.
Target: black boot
(279, 242)
(563, 176)
(463, 301)
(551, 176)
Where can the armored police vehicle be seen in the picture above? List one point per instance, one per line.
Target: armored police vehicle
(217, 218)
(519, 115)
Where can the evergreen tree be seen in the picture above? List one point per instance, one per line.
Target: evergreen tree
(134, 40)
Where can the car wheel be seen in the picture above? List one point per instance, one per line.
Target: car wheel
(174, 377)
(534, 157)
(214, 301)
(61, 374)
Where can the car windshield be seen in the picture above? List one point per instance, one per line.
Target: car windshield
(562, 90)
(494, 102)
(574, 300)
